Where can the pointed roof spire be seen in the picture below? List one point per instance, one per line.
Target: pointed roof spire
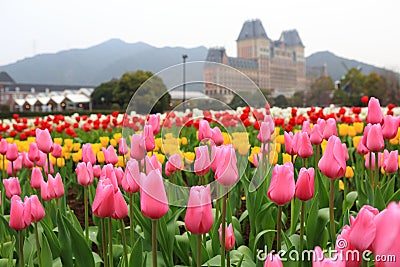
(252, 29)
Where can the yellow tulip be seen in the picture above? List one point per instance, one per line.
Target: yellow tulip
(113, 142)
(341, 185)
(352, 131)
(280, 139)
(121, 162)
(160, 157)
(58, 140)
(189, 157)
(100, 157)
(76, 146)
(61, 162)
(343, 129)
(67, 155)
(394, 141)
(53, 160)
(227, 138)
(10, 140)
(323, 145)
(76, 157)
(286, 157)
(158, 143)
(117, 136)
(68, 142)
(359, 127)
(31, 139)
(184, 141)
(356, 140)
(349, 172)
(243, 149)
(104, 140)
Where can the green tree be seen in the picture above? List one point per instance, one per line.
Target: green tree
(353, 84)
(297, 100)
(321, 91)
(280, 101)
(375, 86)
(103, 94)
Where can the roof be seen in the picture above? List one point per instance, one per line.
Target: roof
(5, 78)
(252, 29)
(242, 63)
(77, 98)
(291, 38)
(215, 55)
(188, 94)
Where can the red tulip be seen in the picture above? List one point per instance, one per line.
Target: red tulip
(229, 237)
(282, 187)
(149, 137)
(120, 206)
(20, 214)
(36, 178)
(88, 154)
(387, 232)
(333, 163)
(109, 155)
(364, 99)
(36, 208)
(198, 218)
(303, 146)
(173, 164)
(138, 147)
(154, 121)
(12, 187)
(273, 261)
(43, 140)
(202, 163)
(363, 228)
(131, 177)
(33, 153)
(122, 146)
(104, 203)
(305, 184)
(153, 198)
(374, 114)
(391, 161)
(84, 173)
(12, 152)
(227, 171)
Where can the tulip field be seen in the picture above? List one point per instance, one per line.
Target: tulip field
(247, 187)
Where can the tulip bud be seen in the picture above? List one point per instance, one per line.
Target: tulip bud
(43, 140)
(198, 218)
(153, 198)
(305, 184)
(229, 237)
(282, 187)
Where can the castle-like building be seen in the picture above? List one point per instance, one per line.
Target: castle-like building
(276, 66)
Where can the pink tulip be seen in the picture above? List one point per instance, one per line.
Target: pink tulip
(361, 148)
(120, 206)
(227, 171)
(229, 237)
(97, 171)
(108, 172)
(119, 174)
(202, 163)
(42, 159)
(316, 135)
(36, 178)
(387, 233)
(17, 165)
(122, 146)
(199, 218)
(88, 154)
(56, 151)
(12, 187)
(55, 186)
(84, 173)
(305, 184)
(333, 163)
(273, 261)
(374, 114)
(20, 214)
(152, 164)
(154, 121)
(26, 162)
(264, 135)
(110, 156)
(391, 161)
(153, 198)
(346, 250)
(363, 228)
(319, 259)
(12, 152)
(217, 137)
(33, 153)
(329, 129)
(257, 159)
(215, 156)
(36, 208)
(373, 138)
(304, 148)
(205, 131)
(138, 147)
(390, 127)
(131, 177)
(282, 187)
(306, 128)
(43, 140)
(3, 146)
(46, 169)
(173, 164)
(289, 143)
(104, 202)
(45, 191)
(149, 138)
(345, 152)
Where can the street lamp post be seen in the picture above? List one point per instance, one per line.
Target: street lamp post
(184, 81)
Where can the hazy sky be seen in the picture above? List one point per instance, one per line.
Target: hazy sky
(367, 30)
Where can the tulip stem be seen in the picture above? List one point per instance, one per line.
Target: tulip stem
(154, 241)
(302, 210)
(376, 169)
(331, 211)
(279, 228)
(131, 227)
(228, 259)
(12, 168)
(37, 245)
(223, 222)
(292, 223)
(199, 250)
(21, 248)
(371, 176)
(48, 163)
(85, 199)
(123, 237)
(110, 243)
(103, 242)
